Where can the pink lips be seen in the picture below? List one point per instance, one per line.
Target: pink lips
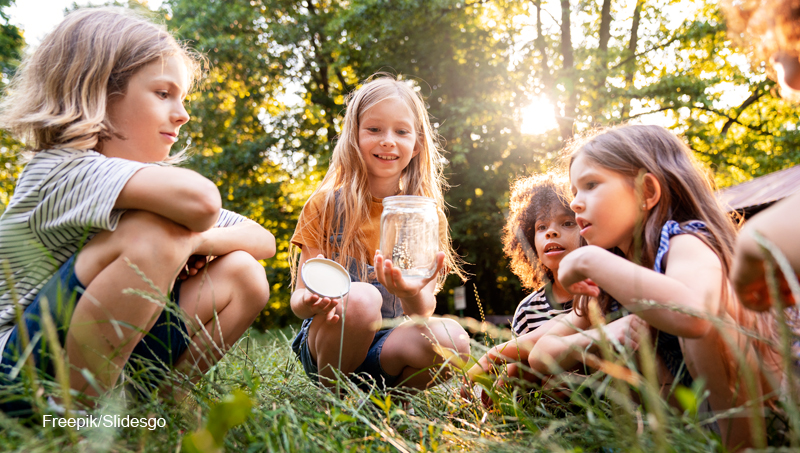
(583, 224)
(553, 248)
(172, 137)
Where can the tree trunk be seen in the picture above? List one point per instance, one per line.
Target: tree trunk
(630, 70)
(541, 46)
(605, 27)
(567, 76)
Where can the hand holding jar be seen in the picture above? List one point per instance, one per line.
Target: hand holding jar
(392, 277)
(409, 257)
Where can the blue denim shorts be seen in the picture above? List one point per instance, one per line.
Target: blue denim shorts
(369, 371)
(164, 344)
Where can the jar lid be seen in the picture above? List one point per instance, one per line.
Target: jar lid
(325, 278)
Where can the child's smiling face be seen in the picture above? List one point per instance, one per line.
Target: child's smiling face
(605, 204)
(387, 139)
(150, 113)
(555, 235)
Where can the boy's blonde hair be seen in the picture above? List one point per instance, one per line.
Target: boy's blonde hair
(347, 175)
(59, 96)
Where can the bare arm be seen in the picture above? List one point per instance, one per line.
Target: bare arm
(178, 194)
(693, 281)
(516, 350)
(247, 236)
(777, 224)
(566, 344)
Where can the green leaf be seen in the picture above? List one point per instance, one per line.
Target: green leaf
(687, 399)
(232, 410)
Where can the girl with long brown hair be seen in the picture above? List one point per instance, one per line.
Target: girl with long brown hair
(660, 247)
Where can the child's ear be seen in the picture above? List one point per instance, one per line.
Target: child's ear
(652, 191)
(417, 148)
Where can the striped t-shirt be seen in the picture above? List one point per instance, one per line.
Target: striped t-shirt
(534, 311)
(62, 198)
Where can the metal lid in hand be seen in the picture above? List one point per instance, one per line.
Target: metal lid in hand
(325, 277)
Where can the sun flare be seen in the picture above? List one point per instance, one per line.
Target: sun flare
(539, 117)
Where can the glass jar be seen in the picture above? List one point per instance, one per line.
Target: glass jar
(410, 234)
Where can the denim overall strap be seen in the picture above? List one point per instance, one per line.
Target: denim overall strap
(390, 305)
(668, 346)
(673, 228)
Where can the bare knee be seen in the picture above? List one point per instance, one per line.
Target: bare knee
(449, 334)
(158, 235)
(155, 244)
(144, 236)
(248, 277)
(361, 307)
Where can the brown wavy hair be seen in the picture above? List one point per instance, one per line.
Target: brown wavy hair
(686, 189)
(347, 175)
(59, 95)
(532, 198)
(686, 194)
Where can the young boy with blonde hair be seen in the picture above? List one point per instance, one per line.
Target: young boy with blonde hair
(97, 209)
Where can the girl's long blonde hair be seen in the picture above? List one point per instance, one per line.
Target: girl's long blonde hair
(347, 175)
(59, 95)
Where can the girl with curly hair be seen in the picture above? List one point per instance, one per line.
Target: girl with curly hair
(540, 231)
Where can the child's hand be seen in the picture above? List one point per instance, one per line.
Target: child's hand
(572, 278)
(193, 266)
(392, 278)
(584, 288)
(626, 331)
(750, 283)
(317, 305)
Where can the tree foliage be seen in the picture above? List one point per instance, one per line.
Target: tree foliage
(11, 43)
(267, 114)
(271, 105)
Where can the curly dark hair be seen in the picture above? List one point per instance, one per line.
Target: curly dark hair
(532, 198)
(764, 28)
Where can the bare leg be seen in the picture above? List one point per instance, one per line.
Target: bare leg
(410, 348)
(362, 320)
(704, 358)
(221, 301)
(107, 324)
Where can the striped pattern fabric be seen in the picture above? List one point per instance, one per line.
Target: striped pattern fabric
(62, 199)
(534, 311)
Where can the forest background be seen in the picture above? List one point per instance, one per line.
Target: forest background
(507, 84)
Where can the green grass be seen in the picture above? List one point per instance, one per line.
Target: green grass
(289, 413)
(259, 399)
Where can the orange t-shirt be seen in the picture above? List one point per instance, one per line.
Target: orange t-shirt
(309, 233)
